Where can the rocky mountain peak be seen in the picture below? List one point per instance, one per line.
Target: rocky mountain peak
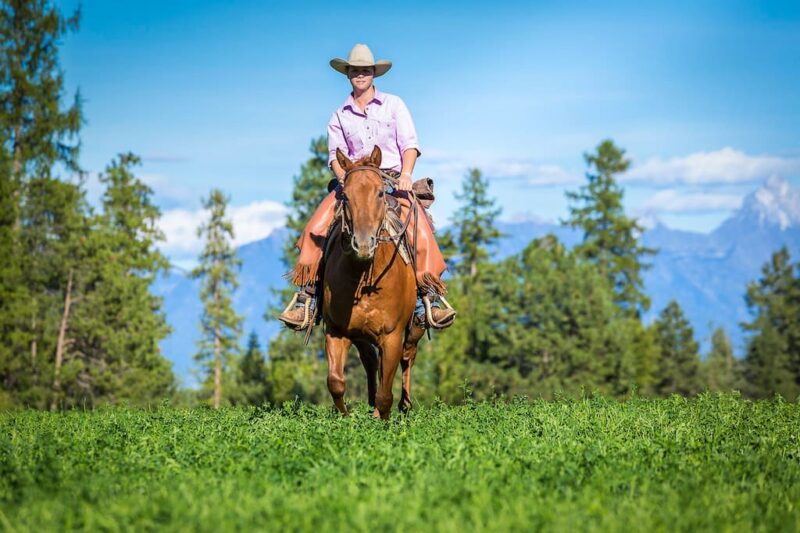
(775, 203)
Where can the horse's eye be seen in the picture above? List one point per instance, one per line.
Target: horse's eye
(380, 194)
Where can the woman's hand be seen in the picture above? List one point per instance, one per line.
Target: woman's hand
(405, 182)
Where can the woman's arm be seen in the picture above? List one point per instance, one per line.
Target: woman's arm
(407, 143)
(409, 160)
(338, 171)
(335, 140)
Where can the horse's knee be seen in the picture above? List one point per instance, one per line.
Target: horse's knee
(336, 386)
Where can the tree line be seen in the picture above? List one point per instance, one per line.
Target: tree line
(554, 320)
(80, 327)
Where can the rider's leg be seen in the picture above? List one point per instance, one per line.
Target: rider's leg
(430, 267)
(306, 271)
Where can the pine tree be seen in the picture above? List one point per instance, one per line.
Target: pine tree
(772, 363)
(294, 369)
(721, 367)
(116, 327)
(610, 239)
(559, 329)
(14, 309)
(251, 382)
(36, 131)
(57, 221)
(36, 134)
(474, 224)
(679, 363)
(308, 190)
(221, 325)
(474, 232)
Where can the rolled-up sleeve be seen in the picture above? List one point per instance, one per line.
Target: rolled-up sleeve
(406, 133)
(335, 138)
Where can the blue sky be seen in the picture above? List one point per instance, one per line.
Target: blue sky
(703, 95)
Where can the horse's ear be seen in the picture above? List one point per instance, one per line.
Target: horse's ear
(375, 156)
(343, 161)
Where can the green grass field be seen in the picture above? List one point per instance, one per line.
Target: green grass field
(714, 463)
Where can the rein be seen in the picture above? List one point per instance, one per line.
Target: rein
(379, 238)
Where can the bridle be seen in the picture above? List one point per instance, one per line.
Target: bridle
(347, 216)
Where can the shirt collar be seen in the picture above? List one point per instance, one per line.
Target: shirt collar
(378, 98)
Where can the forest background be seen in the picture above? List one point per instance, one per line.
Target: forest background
(80, 325)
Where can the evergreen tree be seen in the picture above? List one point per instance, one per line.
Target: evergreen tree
(36, 133)
(474, 232)
(474, 224)
(294, 369)
(772, 363)
(308, 190)
(251, 383)
(610, 239)
(56, 222)
(721, 367)
(678, 364)
(114, 354)
(221, 325)
(36, 130)
(14, 309)
(559, 329)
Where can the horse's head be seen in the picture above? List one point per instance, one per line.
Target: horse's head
(365, 207)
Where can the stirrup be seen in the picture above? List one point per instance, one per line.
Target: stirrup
(429, 313)
(307, 318)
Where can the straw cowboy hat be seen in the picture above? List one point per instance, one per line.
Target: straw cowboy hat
(361, 56)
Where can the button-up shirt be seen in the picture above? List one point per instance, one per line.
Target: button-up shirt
(385, 122)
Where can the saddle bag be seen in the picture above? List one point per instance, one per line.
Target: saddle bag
(423, 189)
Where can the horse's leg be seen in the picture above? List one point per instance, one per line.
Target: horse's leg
(369, 359)
(391, 353)
(336, 352)
(407, 363)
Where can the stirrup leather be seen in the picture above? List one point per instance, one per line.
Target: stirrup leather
(306, 312)
(429, 313)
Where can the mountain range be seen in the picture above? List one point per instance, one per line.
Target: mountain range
(706, 273)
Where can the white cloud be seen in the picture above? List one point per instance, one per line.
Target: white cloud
(180, 229)
(721, 166)
(251, 222)
(551, 175)
(257, 220)
(674, 201)
(452, 168)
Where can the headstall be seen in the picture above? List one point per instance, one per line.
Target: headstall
(347, 218)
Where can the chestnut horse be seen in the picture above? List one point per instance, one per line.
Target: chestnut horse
(369, 292)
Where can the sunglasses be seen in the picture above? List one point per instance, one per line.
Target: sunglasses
(355, 72)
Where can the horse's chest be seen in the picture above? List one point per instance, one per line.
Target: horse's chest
(366, 312)
(368, 301)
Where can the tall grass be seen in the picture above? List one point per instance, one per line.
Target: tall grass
(713, 463)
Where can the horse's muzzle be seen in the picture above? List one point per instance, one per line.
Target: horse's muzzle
(364, 247)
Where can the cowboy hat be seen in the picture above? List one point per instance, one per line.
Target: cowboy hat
(361, 56)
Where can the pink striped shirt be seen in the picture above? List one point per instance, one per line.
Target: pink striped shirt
(385, 122)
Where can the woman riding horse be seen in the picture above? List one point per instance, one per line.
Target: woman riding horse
(369, 118)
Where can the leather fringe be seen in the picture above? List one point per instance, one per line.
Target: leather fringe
(303, 275)
(427, 282)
